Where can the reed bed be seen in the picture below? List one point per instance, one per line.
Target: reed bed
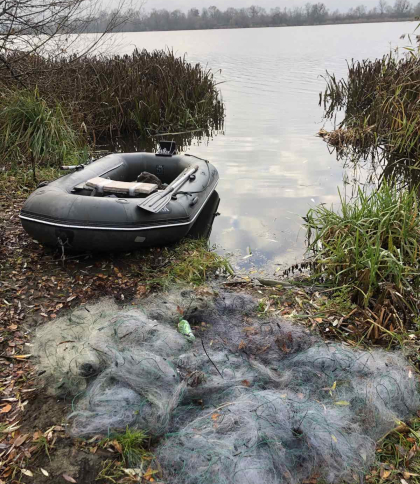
(145, 93)
(370, 249)
(380, 102)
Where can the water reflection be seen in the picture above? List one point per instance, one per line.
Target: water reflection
(272, 166)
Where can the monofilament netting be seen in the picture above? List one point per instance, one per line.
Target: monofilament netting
(252, 400)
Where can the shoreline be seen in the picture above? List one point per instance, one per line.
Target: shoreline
(230, 27)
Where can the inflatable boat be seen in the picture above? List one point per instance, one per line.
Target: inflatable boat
(124, 202)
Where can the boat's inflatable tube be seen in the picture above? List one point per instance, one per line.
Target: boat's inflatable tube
(67, 212)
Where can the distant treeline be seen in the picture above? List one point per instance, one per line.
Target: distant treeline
(213, 18)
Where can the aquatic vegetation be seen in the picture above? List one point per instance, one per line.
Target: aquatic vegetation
(370, 246)
(144, 93)
(379, 99)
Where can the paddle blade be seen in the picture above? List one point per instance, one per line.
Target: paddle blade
(155, 203)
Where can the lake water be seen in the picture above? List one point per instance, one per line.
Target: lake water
(272, 166)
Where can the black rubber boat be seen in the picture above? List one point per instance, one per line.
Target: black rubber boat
(105, 206)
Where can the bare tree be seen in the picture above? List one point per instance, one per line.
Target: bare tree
(383, 7)
(402, 7)
(360, 11)
(37, 26)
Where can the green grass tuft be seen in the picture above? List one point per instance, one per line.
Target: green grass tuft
(130, 444)
(370, 247)
(32, 132)
(189, 262)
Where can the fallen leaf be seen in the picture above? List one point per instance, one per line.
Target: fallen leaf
(6, 408)
(148, 475)
(21, 357)
(385, 474)
(26, 472)
(44, 472)
(69, 478)
(241, 345)
(20, 440)
(334, 438)
(246, 383)
(412, 453)
(285, 349)
(342, 402)
(407, 475)
(215, 416)
(118, 446)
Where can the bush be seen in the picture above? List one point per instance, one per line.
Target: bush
(371, 247)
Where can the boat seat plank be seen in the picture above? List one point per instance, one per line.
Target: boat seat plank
(125, 188)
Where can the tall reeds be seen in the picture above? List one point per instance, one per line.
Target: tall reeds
(145, 93)
(380, 102)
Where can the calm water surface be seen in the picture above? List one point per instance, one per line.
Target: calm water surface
(272, 166)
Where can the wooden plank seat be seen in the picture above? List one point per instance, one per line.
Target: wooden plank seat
(103, 185)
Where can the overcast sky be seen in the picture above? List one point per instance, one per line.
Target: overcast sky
(223, 4)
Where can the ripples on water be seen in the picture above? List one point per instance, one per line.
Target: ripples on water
(272, 166)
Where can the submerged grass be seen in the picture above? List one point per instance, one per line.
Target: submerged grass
(370, 247)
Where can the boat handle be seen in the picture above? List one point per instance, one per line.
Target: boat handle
(72, 167)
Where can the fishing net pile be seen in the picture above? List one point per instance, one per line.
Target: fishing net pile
(252, 399)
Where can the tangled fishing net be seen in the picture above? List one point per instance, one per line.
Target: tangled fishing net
(251, 400)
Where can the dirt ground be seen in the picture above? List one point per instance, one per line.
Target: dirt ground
(38, 285)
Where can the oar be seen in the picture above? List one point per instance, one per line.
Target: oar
(157, 201)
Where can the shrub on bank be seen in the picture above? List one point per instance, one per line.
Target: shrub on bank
(143, 93)
(370, 246)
